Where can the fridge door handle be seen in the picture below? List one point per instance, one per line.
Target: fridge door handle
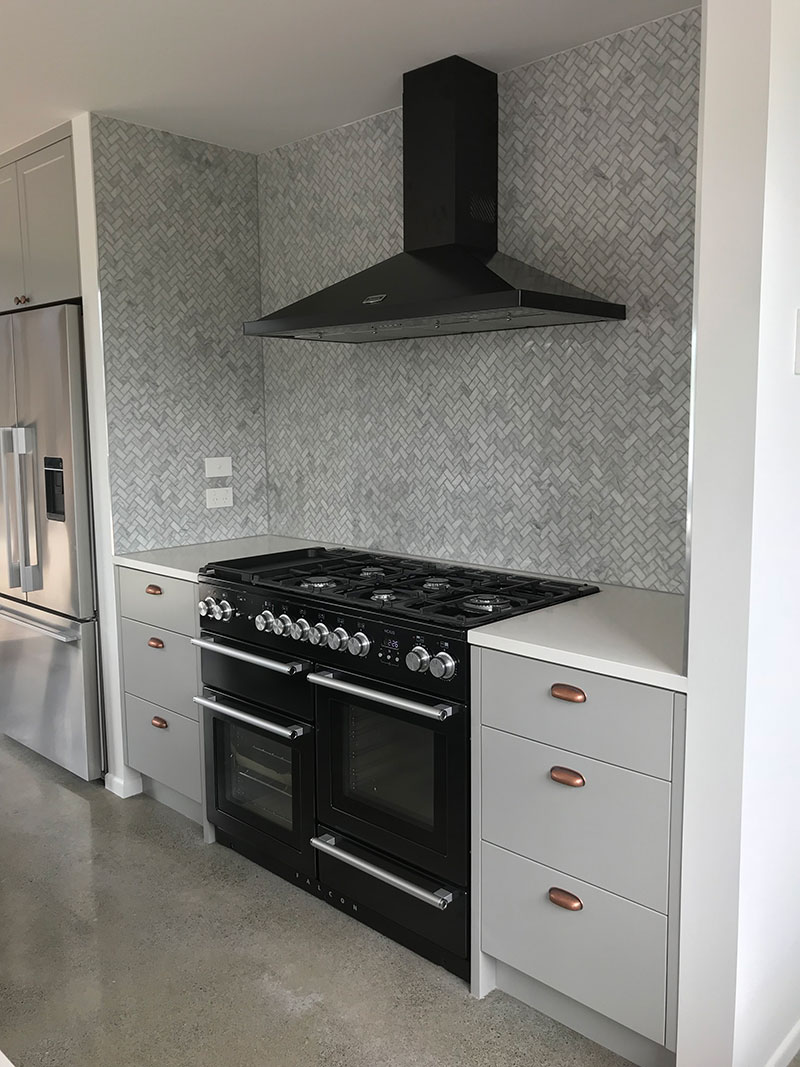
(66, 637)
(24, 444)
(7, 449)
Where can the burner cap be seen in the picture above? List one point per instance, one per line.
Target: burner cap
(372, 572)
(384, 595)
(434, 583)
(319, 581)
(485, 603)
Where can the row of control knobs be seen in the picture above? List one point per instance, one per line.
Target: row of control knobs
(338, 640)
(419, 659)
(222, 611)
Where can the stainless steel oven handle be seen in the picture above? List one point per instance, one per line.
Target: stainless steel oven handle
(438, 898)
(289, 732)
(248, 657)
(327, 680)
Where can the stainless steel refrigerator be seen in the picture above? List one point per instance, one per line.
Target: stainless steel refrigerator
(49, 676)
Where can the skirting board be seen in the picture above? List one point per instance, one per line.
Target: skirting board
(787, 1050)
(639, 1050)
(128, 784)
(177, 801)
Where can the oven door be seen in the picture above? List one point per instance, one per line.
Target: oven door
(260, 780)
(392, 772)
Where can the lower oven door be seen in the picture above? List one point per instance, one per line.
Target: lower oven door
(392, 772)
(260, 780)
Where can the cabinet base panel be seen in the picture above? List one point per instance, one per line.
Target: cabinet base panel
(177, 801)
(631, 1046)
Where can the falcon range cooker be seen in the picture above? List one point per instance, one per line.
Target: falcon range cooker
(336, 727)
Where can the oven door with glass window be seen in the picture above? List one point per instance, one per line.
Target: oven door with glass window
(392, 771)
(260, 780)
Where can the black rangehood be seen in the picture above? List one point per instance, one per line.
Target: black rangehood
(450, 278)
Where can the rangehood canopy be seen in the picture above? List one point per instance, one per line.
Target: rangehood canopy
(450, 278)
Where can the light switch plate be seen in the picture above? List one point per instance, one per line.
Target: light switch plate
(219, 467)
(219, 498)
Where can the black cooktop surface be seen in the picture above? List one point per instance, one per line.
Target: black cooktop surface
(444, 593)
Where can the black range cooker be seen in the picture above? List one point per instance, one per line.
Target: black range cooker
(336, 726)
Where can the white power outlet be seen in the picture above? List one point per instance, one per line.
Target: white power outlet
(219, 467)
(219, 498)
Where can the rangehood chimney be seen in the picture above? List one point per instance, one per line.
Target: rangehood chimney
(450, 278)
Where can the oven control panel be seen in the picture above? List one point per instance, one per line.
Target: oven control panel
(404, 652)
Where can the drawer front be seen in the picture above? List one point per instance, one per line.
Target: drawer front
(173, 608)
(619, 722)
(612, 831)
(166, 675)
(611, 955)
(170, 755)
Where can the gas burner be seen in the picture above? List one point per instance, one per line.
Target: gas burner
(320, 581)
(372, 572)
(436, 583)
(485, 604)
(384, 596)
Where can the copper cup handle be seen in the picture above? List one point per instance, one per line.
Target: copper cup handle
(562, 899)
(155, 642)
(162, 724)
(562, 691)
(564, 776)
(154, 590)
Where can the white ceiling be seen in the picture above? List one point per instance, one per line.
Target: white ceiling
(254, 74)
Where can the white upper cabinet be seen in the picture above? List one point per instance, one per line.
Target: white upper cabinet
(39, 235)
(12, 279)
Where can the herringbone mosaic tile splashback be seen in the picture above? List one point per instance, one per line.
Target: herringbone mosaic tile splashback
(178, 244)
(561, 450)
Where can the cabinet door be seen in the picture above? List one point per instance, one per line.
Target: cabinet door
(12, 282)
(49, 224)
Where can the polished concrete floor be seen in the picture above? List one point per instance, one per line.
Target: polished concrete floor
(125, 942)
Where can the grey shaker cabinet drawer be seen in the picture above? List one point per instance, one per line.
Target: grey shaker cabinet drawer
(168, 753)
(612, 831)
(619, 722)
(151, 598)
(610, 955)
(165, 674)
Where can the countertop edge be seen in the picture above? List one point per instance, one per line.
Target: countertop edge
(613, 668)
(156, 568)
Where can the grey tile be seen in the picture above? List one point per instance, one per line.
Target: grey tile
(124, 940)
(561, 450)
(178, 246)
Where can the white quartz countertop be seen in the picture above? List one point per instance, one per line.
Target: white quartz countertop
(635, 634)
(186, 561)
(627, 633)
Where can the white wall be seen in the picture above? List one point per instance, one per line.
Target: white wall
(768, 973)
(120, 779)
(727, 314)
(740, 937)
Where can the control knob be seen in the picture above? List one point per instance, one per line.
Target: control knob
(300, 630)
(282, 625)
(318, 635)
(359, 644)
(227, 610)
(443, 665)
(418, 659)
(203, 606)
(264, 621)
(337, 641)
(214, 610)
